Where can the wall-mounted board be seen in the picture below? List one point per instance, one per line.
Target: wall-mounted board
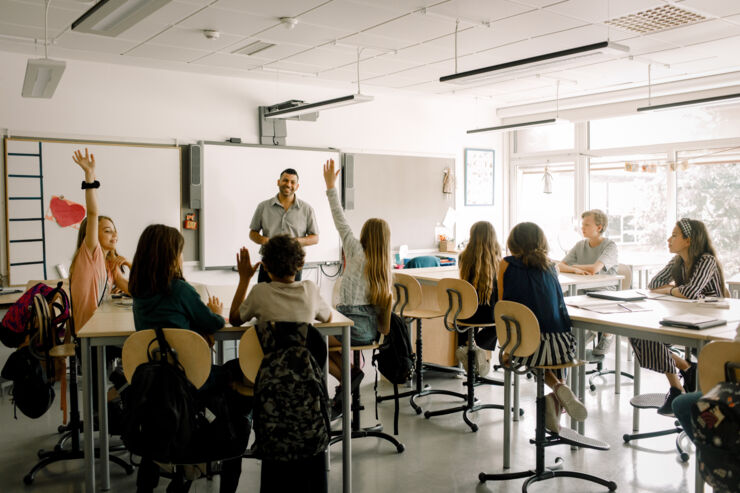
(237, 177)
(140, 185)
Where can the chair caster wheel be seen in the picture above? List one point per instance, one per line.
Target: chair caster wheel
(426, 415)
(521, 412)
(61, 429)
(612, 486)
(400, 448)
(28, 479)
(482, 477)
(626, 438)
(474, 428)
(684, 457)
(592, 388)
(418, 410)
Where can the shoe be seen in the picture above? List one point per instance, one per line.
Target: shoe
(590, 336)
(666, 409)
(603, 346)
(689, 377)
(552, 414)
(482, 363)
(461, 353)
(570, 403)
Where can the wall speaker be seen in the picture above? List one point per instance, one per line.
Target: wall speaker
(195, 176)
(348, 181)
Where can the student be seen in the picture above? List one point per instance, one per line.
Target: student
(162, 298)
(694, 272)
(365, 291)
(96, 267)
(282, 300)
(284, 214)
(479, 263)
(593, 255)
(528, 277)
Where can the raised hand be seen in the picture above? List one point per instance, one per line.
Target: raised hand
(215, 305)
(86, 161)
(330, 174)
(244, 264)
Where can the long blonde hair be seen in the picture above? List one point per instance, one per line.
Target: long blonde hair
(82, 233)
(479, 261)
(375, 239)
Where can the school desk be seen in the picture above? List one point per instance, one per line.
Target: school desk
(113, 322)
(646, 325)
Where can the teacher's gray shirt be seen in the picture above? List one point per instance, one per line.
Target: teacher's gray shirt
(271, 219)
(583, 254)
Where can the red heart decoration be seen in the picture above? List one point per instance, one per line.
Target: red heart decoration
(65, 212)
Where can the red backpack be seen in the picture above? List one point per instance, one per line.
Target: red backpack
(18, 322)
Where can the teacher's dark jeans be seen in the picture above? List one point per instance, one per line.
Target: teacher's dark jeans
(263, 277)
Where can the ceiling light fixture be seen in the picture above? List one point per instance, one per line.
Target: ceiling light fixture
(112, 17)
(253, 48)
(43, 74)
(537, 64)
(297, 108)
(726, 98)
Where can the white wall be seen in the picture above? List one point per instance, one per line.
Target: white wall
(124, 103)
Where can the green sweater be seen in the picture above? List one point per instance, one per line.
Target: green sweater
(180, 308)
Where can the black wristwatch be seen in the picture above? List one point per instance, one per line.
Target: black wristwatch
(86, 185)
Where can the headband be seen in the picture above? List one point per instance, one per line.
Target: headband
(685, 225)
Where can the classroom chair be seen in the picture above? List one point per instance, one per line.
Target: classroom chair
(194, 355)
(598, 360)
(461, 301)
(408, 298)
(519, 335)
(69, 350)
(422, 261)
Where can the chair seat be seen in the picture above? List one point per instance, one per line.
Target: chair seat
(356, 348)
(422, 313)
(569, 364)
(648, 401)
(243, 389)
(464, 324)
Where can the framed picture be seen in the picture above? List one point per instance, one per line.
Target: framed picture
(479, 167)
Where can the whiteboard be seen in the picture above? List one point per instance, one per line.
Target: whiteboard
(237, 177)
(139, 185)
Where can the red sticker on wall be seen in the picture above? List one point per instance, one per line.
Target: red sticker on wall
(65, 212)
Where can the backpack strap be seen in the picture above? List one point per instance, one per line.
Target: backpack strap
(165, 350)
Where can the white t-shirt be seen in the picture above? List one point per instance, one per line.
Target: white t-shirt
(285, 302)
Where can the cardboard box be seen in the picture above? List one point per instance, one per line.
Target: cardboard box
(447, 246)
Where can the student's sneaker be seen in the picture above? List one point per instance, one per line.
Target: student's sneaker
(689, 377)
(603, 346)
(570, 403)
(552, 413)
(461, 353)
(482, 363)
(666, 409)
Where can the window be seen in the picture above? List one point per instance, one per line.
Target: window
(707, 189)
(554, 137)
(552, 212)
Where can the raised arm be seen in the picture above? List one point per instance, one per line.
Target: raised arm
(246, 272)
(87, 163)
(349, 242)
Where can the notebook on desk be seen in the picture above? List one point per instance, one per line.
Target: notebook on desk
(692, 321)
(626, 295)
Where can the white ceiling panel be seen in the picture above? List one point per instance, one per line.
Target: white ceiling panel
(30, 32)
(333, 56)
(342, 74)
(228, 21)
(384, 64)
(417, 28)
(194, 38)
(231, 61)
(169, 15)
(32, 14)
(367, 40)
(294, 67)
(393, 81)
(479, 10)
(304, 34)
(162, 52)
(429, 52)
(276, 52)
(91, 42)
(645, 45)
(271, 8)
(403, 6)
(600, 10)
(719, 8)
(348, 16)
(699, 33)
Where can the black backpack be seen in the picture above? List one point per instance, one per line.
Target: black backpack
(716, 421)
(161, 412)
(395, 358)
(33, 391)
(291, 404)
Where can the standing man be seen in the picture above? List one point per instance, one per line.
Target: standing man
(284, 214)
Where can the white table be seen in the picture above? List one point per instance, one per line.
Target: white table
(646, 325)
(112, 324)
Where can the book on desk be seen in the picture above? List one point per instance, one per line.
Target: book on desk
(692, 321)
(626, 295)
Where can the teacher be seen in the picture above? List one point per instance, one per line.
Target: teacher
(284, 214)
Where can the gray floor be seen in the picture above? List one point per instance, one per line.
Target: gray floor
(442, 454)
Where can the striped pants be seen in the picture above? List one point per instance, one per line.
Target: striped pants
(653, 355)
(556, 348)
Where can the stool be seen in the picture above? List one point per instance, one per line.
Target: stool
(461, 300)
(357, 431)
(408, 299)
(518, 327)
(655, 401)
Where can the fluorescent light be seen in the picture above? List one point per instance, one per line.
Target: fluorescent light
(253, 48)
(693, 102)
(42, 77)
(302, 109)
(514, 126)
(112, 17)
(537, 64)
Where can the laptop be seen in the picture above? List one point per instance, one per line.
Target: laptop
(626, 295)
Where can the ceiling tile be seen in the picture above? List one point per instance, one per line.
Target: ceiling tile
(698, 33)
(416, 28)
(90, 42)
(231, 61)
(228, 21)
(162, 52)
(303, 34)
(402, 6)
(644, 45)
(345, 75)
(384, 64)
(329, 57)
(479, 10)
(293, 67)
(273, 9)
(393, 81)
(719, 8)
(367, 40)
(600, 10)
(277, 52)
(32, 14)
(169, 15)
(194, 38)
(429, 52)
(349, 16)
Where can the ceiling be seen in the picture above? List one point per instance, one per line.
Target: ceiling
(403, 44)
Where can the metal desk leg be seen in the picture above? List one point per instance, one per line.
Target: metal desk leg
(346, 418)
(582, 374)
(516, 397)
(617, 365)
(635, 411)
(507, 419)
(698, 480)
(103, 438)
(87, 416)
(220, 353)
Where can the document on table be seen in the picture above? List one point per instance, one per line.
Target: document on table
(601, 306)
(709, 301)
(692, 321)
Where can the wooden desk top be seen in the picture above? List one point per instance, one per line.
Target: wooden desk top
(114, 320)
(649, 321)
(9, 298)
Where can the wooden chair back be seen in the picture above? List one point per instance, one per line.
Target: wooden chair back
(458, 299)
(407, 292)
(624, 270)
(192, 352)
(250, 354)
(712, 361)
(517, 328)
